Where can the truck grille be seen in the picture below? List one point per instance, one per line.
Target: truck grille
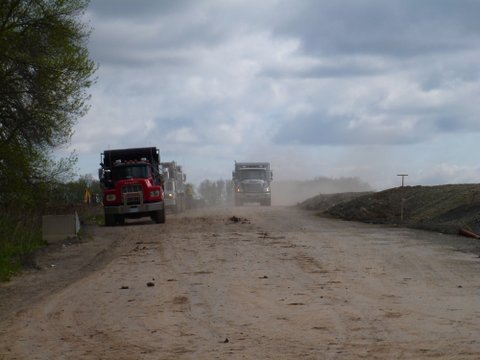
(131, 188)
(132, 194)
(253, 188)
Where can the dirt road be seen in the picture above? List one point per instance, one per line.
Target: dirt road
(269, 283)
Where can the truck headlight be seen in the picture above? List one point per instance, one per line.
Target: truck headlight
(267, 189)
(238, 189)
(170, 195)
(111, 197)
(155, 193)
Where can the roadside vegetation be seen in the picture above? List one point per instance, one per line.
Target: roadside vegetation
(45, 71)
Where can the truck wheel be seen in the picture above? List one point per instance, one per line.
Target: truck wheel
(159, 216)
(120, 219)
(109, 220)
(238, 202)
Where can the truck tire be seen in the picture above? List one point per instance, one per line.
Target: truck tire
(159, 216)
(266, 202)
(110, 220)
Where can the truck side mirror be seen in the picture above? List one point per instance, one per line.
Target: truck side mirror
(101, 174)
(233, 174)
(271, 175)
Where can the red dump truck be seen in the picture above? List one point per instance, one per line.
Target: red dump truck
(132, 185)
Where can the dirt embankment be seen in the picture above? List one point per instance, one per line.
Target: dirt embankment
(443, 208)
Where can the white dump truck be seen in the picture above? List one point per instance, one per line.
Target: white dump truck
(251, 183)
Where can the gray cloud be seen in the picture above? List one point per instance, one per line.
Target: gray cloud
(387, 28)
(348, 69)
(322, 129)
(139, 9)
(214, 79)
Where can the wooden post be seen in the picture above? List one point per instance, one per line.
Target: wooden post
(403, 176)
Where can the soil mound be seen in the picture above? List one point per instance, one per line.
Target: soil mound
(443, 208)
(323, 202)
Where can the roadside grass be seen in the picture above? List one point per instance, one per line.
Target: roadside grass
(17, 241)
(21, 235)
(91, 215)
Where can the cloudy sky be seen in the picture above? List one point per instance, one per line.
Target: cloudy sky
(365, 88)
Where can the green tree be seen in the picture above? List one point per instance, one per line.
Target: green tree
(212, 191)
(45, 70)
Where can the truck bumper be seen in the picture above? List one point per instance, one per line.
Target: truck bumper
(252, 197)
(134, 209)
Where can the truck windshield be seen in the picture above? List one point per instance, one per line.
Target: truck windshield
(252, 174)
(131, 171)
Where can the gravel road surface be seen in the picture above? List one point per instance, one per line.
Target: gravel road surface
(247, 283)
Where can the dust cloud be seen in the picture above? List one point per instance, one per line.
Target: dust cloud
(291, 192)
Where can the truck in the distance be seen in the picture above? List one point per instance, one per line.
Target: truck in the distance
(175, 189)
(251, 183)
(132, 185)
